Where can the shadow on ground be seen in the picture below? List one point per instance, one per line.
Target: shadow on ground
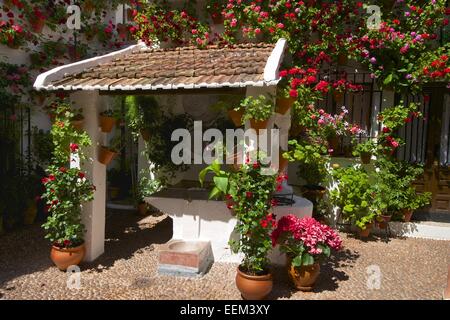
(330, 275)
(26, 251)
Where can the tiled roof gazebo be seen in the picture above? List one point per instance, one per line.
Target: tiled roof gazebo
(250, 69)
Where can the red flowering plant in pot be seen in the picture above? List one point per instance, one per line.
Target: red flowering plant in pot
(66, 189)
(249, 193)
(12, 35)
(307, 243)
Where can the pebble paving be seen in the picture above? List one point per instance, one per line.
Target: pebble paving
(409, 268)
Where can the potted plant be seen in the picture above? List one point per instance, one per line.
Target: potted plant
(12, 35)
(147, 187)
(143, 114)
(306, 243)
(353, 196)
(66, 190)
(258, 111)
(78, 120)
(107, 120)
(414, 202)
(250, 192)
(230, 104)
(285, 100)
(107, 154)
(312, 161)
(365, 151)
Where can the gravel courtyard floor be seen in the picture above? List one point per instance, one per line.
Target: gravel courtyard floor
(410, 268)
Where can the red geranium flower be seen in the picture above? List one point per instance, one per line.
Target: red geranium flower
(74, 147)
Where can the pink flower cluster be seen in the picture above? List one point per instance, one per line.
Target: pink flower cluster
(308, 232)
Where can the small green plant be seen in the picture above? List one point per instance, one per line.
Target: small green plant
(353, 195)
(259, 109)
(368, 147)
(312, 161)
(147, 185)
(143, 113)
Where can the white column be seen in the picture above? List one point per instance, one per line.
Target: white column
(93, 212)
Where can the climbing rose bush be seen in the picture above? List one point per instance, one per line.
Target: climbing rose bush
(305, 240)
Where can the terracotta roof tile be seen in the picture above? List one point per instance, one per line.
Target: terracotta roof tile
(183, 66)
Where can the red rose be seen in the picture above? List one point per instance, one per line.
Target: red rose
(249, 194)
(74, 147)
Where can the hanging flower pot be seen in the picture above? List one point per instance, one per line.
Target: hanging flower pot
(122, 30)
(304, 277)
(236, 117)
(407, 215)
(258, 125)
(66, 257)
(78, 122)
(217, 18)
(254, 287)
(342, 59)
(383, 224)
(146, 135)
(37, 24)
(365, 157)
(338, 97)
(364, 233)
(106, 155)
(107, 123)
(284, 105)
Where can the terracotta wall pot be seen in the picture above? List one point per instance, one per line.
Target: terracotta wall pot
(236, 117)
(258, 125)
(384, 224)
(365, 157)
(366, 232)
(107, 123)
(303, 278)
(407, 215)
(64, 258)
(254, 287)
(338, 97)
(78, 124)
(106, 156)
(145, 133)
(284, 104)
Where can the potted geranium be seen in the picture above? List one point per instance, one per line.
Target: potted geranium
(285, 100)
(248, 193)
(66, 189)
(306, 243)
(78, 119)
(258, 111)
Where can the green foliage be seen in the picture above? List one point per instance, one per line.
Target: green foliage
(248, 193)
(42, 146)
(353, 195)
(368, 147)
(142, 112)
(66, 189)
(259, 109)
(312, 161)
(147, 185)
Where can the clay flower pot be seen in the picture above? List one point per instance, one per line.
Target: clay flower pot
(284, 105)
(106, 155)
(365, 157)
(37, 24)
(338, 97)
(253, 287)
(303, 278)
(66, 257)
(107, 123)
(236, 117)
(258, 125)
(366, 232)
(145, 133)
(384, 223)
(407, 215)
(142, 209)
(78, 123)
